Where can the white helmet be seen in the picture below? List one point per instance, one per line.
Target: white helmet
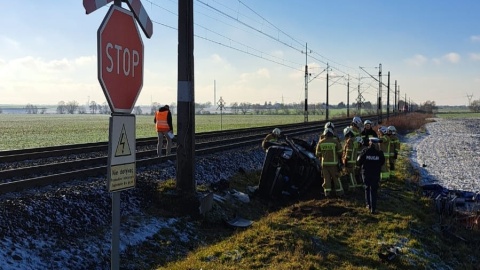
(357, 121)
(383, 129)
(347, 130)
(367, 122)
(328, 130)
(276, 131)
(392, 129)
(329, 125)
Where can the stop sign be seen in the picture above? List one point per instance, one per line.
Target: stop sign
(120, 59)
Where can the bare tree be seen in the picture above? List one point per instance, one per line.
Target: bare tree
(137, 110)
(244, 107)
(104, 108)
(475, 106)
(61, 108)
(93, 107)
(82, 110)
(234, 107)
(154, 108)
(31, 109)
(71, 107)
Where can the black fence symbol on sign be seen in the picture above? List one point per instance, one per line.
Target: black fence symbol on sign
(123, 148)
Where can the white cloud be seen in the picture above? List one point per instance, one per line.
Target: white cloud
(475, 38)
(475, 56)
(452, 57)
(416, 60)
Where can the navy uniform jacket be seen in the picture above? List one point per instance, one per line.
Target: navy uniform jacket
(371, 161)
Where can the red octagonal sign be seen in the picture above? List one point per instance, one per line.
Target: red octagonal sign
(120, 59)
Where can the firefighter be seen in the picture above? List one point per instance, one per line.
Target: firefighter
(356, 126)
(331, 126)
(368, 132)
(349, 157)
(394, 144)
(329, 151)
(385, 146)
(272, 138)
(371, 160)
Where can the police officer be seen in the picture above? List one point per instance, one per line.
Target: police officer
(371, 160)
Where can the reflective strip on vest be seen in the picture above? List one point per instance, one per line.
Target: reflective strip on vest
(329, 147)
(162, 124)
(353, 155)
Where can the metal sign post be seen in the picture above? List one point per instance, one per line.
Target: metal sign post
(120, 73)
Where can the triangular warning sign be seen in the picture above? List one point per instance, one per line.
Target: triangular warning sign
(123, 148)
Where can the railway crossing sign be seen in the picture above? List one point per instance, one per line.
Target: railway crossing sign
(120, 59)
(121, 153)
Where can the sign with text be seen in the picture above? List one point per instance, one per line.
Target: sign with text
(120, 59)
(121, 173)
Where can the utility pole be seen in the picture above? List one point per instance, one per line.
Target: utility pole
(305, 112)
(326, 103)
(186, 100)
(214, 91)
(395, 108)
(379, 97)
(359, 97)
(388, 96)
(348, 96)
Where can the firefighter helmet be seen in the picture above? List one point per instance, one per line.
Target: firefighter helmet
(392, 129)
(328, 130)
(357, 121)
(367, 122)
(330, 125)
(276, 131)
(347, 130)
(383, 129)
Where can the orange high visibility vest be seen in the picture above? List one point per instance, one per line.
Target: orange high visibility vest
(162, 124)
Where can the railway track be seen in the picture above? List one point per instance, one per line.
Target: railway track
(23, 169)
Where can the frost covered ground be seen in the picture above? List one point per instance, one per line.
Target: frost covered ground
(449, 154)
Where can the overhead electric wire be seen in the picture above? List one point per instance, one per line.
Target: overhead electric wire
(259, 54)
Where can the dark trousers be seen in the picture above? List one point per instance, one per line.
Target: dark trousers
(371, 189)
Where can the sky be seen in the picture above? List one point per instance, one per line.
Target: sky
(253, 51)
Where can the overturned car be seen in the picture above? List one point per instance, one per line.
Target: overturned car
(289, 169)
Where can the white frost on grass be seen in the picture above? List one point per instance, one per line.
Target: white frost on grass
(448, 154)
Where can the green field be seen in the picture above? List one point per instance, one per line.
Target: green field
(22, 131)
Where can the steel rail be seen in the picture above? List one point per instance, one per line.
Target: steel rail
(81, 169)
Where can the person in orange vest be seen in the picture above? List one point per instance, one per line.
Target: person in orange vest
(164, 126)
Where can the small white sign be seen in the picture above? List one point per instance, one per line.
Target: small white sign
(121, 153)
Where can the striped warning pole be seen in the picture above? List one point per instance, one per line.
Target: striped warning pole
(92, 5)
(135, 6)
(141, 16)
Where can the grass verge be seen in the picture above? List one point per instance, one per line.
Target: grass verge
(339, 233)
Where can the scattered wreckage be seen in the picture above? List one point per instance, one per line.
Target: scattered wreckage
(289, 169)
